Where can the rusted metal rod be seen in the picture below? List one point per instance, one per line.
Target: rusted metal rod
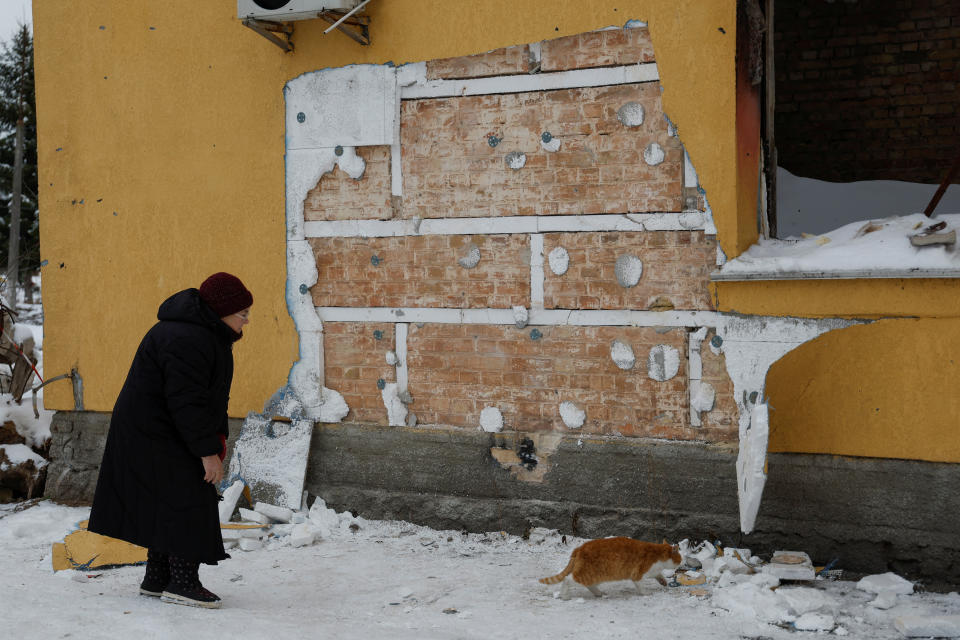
(935, 200)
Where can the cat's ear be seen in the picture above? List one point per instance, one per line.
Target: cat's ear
(664, 541)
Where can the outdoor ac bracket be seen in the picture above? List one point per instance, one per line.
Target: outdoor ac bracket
(269, 30)
(354, 26)
(361, 24)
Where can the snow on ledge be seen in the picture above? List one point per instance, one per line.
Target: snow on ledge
(863, 249)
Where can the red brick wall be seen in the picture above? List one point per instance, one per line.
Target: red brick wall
(450, 169)
(457, 370)
(868, 90)
(500, 62)
(339, 197)
(615, 47)
(355, 358)
(422, 271)
(721, 422)
(676, 266)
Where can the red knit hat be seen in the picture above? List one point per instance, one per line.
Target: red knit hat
(225, 294)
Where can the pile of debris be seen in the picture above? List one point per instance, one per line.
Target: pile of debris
(23, 468)
(782, 591)
(271, 524)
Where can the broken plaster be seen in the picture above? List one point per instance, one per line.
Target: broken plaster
(750, 345)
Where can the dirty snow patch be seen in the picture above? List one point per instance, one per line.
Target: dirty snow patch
(18, 454)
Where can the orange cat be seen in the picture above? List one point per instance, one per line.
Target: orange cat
(609, 559)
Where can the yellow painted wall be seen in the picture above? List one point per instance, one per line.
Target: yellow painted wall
(887, 389)
(161, 148)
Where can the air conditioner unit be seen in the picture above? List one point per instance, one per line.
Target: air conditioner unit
(286, 10)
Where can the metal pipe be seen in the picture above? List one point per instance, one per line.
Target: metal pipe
(352, 11)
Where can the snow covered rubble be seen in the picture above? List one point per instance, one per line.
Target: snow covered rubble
(392, 579)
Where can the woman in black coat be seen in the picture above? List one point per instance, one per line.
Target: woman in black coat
(165, 449)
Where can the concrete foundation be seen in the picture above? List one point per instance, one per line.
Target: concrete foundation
(874, 515)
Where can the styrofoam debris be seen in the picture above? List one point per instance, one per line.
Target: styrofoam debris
(516, 160)
(754, 601)
(396, 409)
(279, 514)
(250, 544)
(803, 600)
(631, 114)
(559, 260)
(351, 164)
(889, 581)
(472, 258)
(572, 415)
(392, 359)
(298, 517)
(733, 552)
(702, 398)
(323, 518)
(254, 516)
(790, 565)
(229, 502)
(334, 407)
(491, 420)
(303, 534)
(653, 154)
(663, 362)
(520, 316)
(928, 626)
(552, 145)
(628, 269)
(239, 534)
(719, 565)
(622, 355)
(815, 622)
(884, 600)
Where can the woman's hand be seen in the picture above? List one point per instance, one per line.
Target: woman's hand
(212, 469)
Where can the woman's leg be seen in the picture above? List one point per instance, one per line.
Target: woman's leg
(157, 575)
(185, 587)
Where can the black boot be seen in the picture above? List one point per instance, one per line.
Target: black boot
(185, 587)
(157, 575)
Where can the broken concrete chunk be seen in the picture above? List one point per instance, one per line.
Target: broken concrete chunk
(491, 420)
(628, 270)
(884, 582)
(572, 415)
(559, 260)
(928, 626)
(472, 258)
(622, 355)
(278, 514)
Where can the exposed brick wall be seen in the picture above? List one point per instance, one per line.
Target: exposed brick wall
(422, 271)
(500, 62)
(450, 169)
(339, 197)
(722, 420)
(614, 47)
(676, 268)
(868, 90)
(355, 358)
(457, 370)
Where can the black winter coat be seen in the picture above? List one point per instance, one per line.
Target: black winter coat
(169, 413)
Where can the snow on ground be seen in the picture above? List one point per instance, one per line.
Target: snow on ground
(384, 580)
(866, 245)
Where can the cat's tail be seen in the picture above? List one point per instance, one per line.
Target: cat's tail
(560, 576)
